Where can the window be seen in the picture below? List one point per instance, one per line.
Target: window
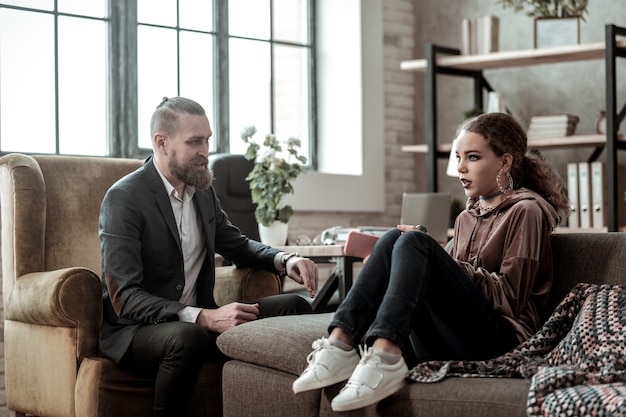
(174, 56)
(270, 67)
(53, 79)
(248, 62)
(351, 111)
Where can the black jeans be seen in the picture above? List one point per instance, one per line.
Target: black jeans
(410, 286)
(174, 352)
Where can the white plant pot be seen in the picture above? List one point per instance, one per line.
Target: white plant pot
(275, 234)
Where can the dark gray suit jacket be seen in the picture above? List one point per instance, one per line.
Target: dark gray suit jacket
(142, 262)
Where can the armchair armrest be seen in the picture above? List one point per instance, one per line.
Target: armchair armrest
(243, 284)
(69, 297)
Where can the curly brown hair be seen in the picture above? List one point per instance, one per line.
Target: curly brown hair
(504, 134)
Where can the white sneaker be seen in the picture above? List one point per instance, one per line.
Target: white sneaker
(371, 382)
(328, 365)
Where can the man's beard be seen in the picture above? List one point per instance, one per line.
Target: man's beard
(190, 174)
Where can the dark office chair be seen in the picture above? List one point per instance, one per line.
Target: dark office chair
(230, 172)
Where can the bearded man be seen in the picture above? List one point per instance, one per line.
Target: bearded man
(160, 228)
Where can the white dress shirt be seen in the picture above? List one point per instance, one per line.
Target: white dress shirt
(192, 242)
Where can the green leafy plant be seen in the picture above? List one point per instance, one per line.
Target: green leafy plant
(273, 172)
(473, 112)
(548, 8)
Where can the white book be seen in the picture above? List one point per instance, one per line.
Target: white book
(551, 126)
(572, 192)
(598, 217)
(556, 118)
(473, 36)
(488, 30)
(584, 194)
(466, 36)
(548, 134)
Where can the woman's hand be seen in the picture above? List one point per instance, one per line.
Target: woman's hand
(411, 228)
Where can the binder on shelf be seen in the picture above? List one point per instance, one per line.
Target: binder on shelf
(572, 192)
(584, 194)
(599, 193)
(598, 216)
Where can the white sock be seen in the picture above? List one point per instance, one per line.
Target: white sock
(388, 358)
(341, 345)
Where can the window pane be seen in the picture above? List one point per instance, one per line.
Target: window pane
(249, 90)
(157, 12)
(290, 20)
(27, 79)
(95, 8)
(196, 70)
(82, 87)
(35, 4)
(249, 18)
(196, 14)
(157, 73)
(291, 94)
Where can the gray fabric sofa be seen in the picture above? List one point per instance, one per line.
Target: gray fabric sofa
(267, 355)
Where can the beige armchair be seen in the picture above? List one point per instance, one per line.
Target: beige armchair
(52, 295)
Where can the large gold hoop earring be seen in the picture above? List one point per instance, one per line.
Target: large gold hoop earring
(509, 187)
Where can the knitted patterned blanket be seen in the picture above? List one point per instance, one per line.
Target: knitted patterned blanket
(575, 364)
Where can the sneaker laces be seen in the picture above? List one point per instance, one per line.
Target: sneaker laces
(368, 358)
(317, 346)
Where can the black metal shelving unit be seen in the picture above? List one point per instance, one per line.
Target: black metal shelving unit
(441, 60)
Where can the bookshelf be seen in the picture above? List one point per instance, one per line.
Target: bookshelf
(442, 60)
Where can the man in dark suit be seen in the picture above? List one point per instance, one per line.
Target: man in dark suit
(160, 228)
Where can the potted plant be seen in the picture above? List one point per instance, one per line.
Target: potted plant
(270, 180)
(557, 22)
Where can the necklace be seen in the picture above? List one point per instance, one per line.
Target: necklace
(491, 196)
(486, 209)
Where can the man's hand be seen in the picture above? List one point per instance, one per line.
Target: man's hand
(303, 271)
(223, 318)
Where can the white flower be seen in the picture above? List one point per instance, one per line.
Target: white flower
(293, 143)
(247, 133)
(268, 155)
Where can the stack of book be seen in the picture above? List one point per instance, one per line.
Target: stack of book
(552, 126)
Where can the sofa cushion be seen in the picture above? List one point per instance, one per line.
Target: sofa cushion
(281, 343)
(458, 397)
(596, 258)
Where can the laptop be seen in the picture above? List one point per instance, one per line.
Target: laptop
(431, 210)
